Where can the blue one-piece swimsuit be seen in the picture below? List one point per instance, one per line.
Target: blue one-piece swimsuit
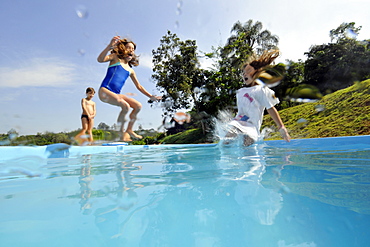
(115, 78)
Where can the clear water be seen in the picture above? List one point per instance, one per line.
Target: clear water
(312, 192)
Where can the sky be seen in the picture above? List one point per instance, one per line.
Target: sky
(48, 49)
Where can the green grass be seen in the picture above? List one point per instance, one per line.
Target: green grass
(346, 113)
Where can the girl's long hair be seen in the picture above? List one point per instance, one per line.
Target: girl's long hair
(260, 63)
(120, 50)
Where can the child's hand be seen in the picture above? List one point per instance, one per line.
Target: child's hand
(114, 40)
(154, 98)
(284, 133)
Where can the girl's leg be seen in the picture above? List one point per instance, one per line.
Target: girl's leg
(136, 105)
(232, 134)
(118, 100)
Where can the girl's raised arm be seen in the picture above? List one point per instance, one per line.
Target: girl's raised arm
(103, 57)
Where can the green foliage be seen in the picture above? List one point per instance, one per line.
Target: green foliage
(149, 140)
(343, 113)
(40, 139)
(192, 136)
(103, 126)
(344, 31)
(335, 66)
(177, 73)
(246, 38)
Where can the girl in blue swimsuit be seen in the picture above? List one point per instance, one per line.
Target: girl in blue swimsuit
(121, 58)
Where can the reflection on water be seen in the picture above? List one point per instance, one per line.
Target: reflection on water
(263, 195)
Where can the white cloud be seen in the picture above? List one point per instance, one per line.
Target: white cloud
(37, 72)
(145, 60)
(10, 96)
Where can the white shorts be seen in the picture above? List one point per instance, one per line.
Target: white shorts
(246, 128)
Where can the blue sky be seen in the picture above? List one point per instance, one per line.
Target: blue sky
(49, 48)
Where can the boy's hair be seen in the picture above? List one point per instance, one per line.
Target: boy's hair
(121, 52)
(262, 62)
(90, 89)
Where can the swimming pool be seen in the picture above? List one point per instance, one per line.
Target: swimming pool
(310, 192)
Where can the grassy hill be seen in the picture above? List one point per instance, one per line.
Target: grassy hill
(343, 113)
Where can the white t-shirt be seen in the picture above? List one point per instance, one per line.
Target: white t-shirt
(251, 102)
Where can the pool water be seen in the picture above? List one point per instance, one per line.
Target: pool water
(310, 192)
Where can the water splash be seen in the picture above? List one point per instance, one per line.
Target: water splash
(27, 166)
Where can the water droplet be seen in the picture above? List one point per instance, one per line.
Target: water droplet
(319, 108)
(197, 90)
(177, 24)
(82, 12)
(81, 52)
(350, 33)
(179, 4)
(302, 121)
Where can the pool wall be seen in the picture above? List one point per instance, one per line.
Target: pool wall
(61, 150)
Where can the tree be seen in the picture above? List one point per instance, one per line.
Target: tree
(178, 74)
(246, 38)
(344, 31)
(335, 66)
(103, 126)
(293, 77)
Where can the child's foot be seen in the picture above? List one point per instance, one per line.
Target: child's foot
(134, 135)
(248, 141)
(81, 141)
(126, 137)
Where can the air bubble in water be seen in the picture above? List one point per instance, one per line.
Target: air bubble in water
(177, 24)
(82, 12)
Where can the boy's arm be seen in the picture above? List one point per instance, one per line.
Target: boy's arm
(84, 110)
(94, 110)
(276, 117)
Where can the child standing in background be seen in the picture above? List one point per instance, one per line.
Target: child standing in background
(87, 117)
(253, 99)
